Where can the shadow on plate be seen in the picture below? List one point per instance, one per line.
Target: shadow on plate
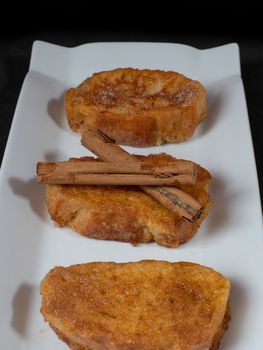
(219, 213)
(238, 305)
(55, 156)
(21, 305)
(33, 192)
(214, 104)
(223, 202)
(56, 111)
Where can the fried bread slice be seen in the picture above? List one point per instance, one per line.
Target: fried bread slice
(125, 213)
(145, 305)
(137, 107)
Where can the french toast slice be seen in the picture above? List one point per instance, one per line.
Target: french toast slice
(125, 213)
(137, 107)
(145, 305)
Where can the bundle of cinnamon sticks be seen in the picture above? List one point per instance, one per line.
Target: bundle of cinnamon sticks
(118, 167)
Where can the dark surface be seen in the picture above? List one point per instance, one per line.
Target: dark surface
(15, 53)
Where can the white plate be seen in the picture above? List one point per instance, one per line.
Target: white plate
(230, 240)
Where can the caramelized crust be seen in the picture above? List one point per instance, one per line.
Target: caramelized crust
(125, 213)
(144, 305)
(137, 107)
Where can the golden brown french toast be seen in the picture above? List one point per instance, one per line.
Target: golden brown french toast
(126, 213)
(149, 305)
(137, 107)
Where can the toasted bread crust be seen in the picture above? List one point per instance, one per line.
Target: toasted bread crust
(214, 346)
(137, 107)
(224, 326)
(125, 213)
(136, 306)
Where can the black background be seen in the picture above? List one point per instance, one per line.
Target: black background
(200, 24)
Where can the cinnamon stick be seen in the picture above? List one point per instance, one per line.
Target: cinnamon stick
(112, 179)
(115, 173)
(178, 167)
(173, 196)
(175, 200)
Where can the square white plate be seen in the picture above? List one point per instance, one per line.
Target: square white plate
(230, 239)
